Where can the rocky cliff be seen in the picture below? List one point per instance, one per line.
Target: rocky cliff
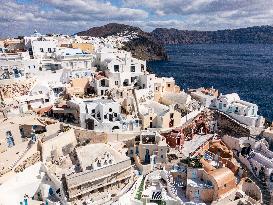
(142, 44)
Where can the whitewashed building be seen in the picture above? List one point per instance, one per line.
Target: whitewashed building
(44, 48)
(17, 65)
(238, 109)
(69, 74)
(40, 95)
(74, 59)
(120, 67)
(103, 115)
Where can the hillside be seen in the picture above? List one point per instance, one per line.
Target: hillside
(143, 45)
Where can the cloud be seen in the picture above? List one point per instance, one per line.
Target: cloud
(210, 14)
(71, 16)
(62, 16)
(188, 7)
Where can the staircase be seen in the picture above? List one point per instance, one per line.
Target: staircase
(136, 101)
(12, 166)
(262, 185)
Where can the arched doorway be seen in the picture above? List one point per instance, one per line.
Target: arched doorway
(90, 124)
(115, 128)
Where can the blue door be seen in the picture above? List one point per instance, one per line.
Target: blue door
(147, 157)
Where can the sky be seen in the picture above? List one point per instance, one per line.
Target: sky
(23, 17)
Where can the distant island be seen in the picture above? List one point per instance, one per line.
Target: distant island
(150, 45)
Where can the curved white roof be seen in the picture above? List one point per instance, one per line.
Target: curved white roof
(231, 97)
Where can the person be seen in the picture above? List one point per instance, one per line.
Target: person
(33, 135)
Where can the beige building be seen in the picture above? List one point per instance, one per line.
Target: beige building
(54, 146)
(78, 86)
(102, 171)
(181, 100)
(17, 130)
(156, 115)
(162, 85)
(86, 47)
(216, 177)
(149, 149)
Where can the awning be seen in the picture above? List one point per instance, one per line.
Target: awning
(64, 111)
(41, 111)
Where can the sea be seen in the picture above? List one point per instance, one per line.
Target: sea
(246, 69)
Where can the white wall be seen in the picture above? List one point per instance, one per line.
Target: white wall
(41, 49)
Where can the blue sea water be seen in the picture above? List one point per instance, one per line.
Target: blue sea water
(246, 69)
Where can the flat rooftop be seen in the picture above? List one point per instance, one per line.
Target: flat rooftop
(156, 107)
(90, 153)
(195, 143)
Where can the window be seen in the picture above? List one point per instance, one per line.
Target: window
(151, 118)
(103, 83)
(271, 177)
(49, 50)
(116, 68)
(169, 85)
(162, 157)
(105, 116)
(42, 50)
(171, 115)
(40, 92)
(225, 105)
(110, 109)
(116, 82)
(115, 114)
(133, 68)
(93, 111)
(142, 67)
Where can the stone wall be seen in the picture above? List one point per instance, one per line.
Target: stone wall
(227, 126)
(15, 88)
(251, 189)
(28, 162)
(88, 136)
(144, 169)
